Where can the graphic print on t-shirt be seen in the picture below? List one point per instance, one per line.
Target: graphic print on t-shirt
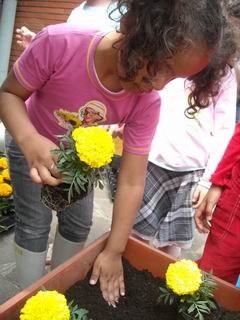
(92, 113)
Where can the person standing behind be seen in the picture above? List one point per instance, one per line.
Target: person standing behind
(90, 14)
(219, 216)
(185, 151)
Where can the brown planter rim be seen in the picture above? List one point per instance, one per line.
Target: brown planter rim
(76, 268)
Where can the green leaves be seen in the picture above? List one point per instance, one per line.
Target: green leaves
(197, 305)
(77, 313)
(166, 296)
(78, 175)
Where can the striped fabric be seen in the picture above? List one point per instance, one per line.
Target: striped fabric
(166, 214)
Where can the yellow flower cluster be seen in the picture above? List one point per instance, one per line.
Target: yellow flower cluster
(5, 188)
(94, 146)
(5, 175)
(184, 277)
(3, 163)
(46, 305)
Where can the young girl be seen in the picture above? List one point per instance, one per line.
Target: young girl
(219, 213)
(181, 164)
(65, 68)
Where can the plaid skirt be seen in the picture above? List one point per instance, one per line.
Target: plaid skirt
(166, 213)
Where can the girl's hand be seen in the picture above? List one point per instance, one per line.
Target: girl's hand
(198, 196)
(108, 270)
(42, 163)
(24, 36)
(203, 214)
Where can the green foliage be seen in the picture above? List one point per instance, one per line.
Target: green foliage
(197, 305)
(6, 206)
(77, 313)
(75, 173)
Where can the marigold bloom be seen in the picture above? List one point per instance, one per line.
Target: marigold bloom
(5, 190)
(94, 146)
(46, 305)
(5, 175)
(1, 179)
(184, 277)
(3, 163)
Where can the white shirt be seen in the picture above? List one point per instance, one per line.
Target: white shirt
(94, 17)
(183, 144)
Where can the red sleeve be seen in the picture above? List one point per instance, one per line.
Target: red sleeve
(223, 172)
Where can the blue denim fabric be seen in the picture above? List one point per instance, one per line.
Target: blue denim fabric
(33, 219)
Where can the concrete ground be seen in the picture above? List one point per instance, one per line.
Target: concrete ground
(101, 224)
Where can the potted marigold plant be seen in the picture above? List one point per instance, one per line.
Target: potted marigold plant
(190, 289)
(83, 155)
(51, 305)
(6, 199)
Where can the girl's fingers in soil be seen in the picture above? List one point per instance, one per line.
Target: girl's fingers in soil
(107, 291)
(116, 289)
(95, 274)
(105, 294)
(122, 285)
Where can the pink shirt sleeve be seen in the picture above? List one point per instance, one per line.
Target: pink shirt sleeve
(34, 67)
(138, 134)
(222, 174)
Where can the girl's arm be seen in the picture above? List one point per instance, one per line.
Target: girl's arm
(36, 148)
(108, 265)
(204, 212)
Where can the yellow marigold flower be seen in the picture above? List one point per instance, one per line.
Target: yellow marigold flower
(3, 163)
(184, 277)
(5, 175)
(5, 190)
(1, 179)
(94, 146)
(46, 305)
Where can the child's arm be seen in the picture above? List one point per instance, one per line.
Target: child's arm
(35, 147)
(108, 265)
(204, 212)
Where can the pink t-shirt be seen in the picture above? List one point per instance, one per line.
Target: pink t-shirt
(59, 68)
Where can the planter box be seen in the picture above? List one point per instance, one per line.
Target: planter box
(137, 253)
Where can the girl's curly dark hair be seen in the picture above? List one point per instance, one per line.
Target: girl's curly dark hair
(155, 30)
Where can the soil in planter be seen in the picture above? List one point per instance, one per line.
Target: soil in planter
(140, 302)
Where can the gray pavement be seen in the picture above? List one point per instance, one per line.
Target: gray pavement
(101, 224)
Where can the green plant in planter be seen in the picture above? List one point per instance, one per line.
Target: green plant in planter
(82, 157)
(51, 305)
(190, 289)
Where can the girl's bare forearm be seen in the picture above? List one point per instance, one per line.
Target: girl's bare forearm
(127, 203)
(14, 115)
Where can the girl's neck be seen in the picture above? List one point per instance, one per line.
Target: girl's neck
(106, 62)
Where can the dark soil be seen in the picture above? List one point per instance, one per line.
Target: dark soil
(140, 302)
(56, 197)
